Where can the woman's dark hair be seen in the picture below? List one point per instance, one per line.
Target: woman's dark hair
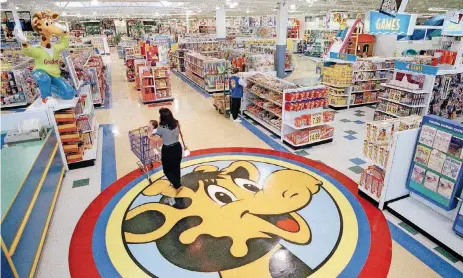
(166, 118)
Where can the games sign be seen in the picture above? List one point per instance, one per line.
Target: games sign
(383, 24)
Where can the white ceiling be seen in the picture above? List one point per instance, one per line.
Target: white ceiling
(149, 9)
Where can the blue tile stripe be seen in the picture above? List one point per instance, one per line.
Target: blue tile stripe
(17, 212)
(29, 246)
(428, 257)
(262, 136)
(108, 164)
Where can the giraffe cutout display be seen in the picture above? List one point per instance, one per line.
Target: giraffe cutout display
(47, 56)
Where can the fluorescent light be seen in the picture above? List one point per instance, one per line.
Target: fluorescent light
(94, 3)
(217, 8)
(432, 9)
(199, 11)
(3, 1)
(293, 7)
(247, 11)
(166, 3)
(17, 8)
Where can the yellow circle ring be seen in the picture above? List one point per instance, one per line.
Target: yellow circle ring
(332, 268)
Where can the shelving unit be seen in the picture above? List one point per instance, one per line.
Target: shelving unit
(18, 85)
(387, 154)
(401, 98)
(155, 84)
(208, 73)
(75, 122)
(355, 83)
(293, 113)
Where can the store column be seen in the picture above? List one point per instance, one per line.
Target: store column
(220, 24)
(282, 25)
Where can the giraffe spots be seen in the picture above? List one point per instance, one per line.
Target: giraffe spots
(48, 45)
(44, 38)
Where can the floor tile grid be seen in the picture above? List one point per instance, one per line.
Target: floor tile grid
(422, 239)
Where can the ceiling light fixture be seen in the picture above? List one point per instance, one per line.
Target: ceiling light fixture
(166, 3)
(17, 8)
(3, 1)
(432, 9)
(247, 11)
(293, 7)
(78, 15)
(94, 3)
(217, 8)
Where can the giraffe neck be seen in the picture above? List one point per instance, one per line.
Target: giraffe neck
(45, 41)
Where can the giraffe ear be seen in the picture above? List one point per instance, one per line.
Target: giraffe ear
(38, 15)
(54, 16)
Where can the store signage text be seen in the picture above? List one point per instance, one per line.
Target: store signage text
(418, 68)
(343, 56)
(384, 24)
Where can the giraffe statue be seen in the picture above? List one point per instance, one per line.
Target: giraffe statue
(47, 69)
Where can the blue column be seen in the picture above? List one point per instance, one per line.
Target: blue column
(282, 26)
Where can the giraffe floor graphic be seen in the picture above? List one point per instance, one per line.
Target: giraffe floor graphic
(241, 213)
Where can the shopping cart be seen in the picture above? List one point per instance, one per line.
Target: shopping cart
(146, 152)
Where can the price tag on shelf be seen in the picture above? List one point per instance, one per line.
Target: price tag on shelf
(316, 119)
(395, 96)
(162, 73)
(314, 135)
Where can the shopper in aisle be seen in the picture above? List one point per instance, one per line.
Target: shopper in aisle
(171, 152)
(237, 84)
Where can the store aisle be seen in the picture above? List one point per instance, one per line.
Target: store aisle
(204, 128)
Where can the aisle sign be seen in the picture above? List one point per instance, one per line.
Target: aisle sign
(343, 56)
(453, 23)
(383, 24)
(418, 68)
(436, 172)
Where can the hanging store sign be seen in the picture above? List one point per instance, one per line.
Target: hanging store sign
(453, 23)
(383, 24)
(343, 56)
(418, 68)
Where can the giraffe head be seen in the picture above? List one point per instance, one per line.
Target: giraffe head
(45, 23)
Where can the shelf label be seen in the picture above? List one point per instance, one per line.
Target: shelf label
(314, 135)
(316, 119)
(418, 68)
(401, 24)
(343, 56)
(453, 23)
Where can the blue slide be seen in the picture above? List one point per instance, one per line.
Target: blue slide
(419, 34)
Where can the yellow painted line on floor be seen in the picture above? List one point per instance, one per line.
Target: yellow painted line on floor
(45, 229)
(8, 259)
(31, 206)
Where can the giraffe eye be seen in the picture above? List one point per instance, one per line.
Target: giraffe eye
(46, 23)
(220, 195)
(248, 185)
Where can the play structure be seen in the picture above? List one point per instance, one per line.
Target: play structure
(354, 42)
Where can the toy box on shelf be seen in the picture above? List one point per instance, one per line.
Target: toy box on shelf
(155, 84)
(387, 148)
(208, 73)
(294, 113)
(75, 122)
(18, 85)
(435, 182)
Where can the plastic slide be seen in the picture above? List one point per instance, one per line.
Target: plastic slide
(339, 46)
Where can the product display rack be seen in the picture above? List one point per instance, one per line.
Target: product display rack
(293, 113)
(356, 83)
(387, 148)
(18, 87)
(406, 93)
(155, 84)
(75, 122)
(208, 73)
(434, 183)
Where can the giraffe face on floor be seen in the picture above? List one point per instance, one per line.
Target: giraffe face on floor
(227, 209)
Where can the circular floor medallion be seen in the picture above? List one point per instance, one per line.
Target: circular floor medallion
(241, 213)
